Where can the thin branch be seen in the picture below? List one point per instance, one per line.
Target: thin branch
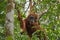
(31, 6)
(42, 13)
(27, 9)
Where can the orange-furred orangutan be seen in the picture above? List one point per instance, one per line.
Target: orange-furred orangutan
(30, 24)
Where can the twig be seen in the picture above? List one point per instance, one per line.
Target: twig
(43, 12)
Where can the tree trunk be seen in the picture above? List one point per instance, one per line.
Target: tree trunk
(9, 22)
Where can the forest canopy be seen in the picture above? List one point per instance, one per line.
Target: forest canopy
(50, 21)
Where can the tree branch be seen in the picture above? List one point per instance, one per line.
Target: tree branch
(42, 12)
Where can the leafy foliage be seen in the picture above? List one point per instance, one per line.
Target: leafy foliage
(50, 20)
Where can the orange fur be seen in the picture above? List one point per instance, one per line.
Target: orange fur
(26, 25)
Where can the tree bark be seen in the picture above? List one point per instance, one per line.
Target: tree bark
(9, 22)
